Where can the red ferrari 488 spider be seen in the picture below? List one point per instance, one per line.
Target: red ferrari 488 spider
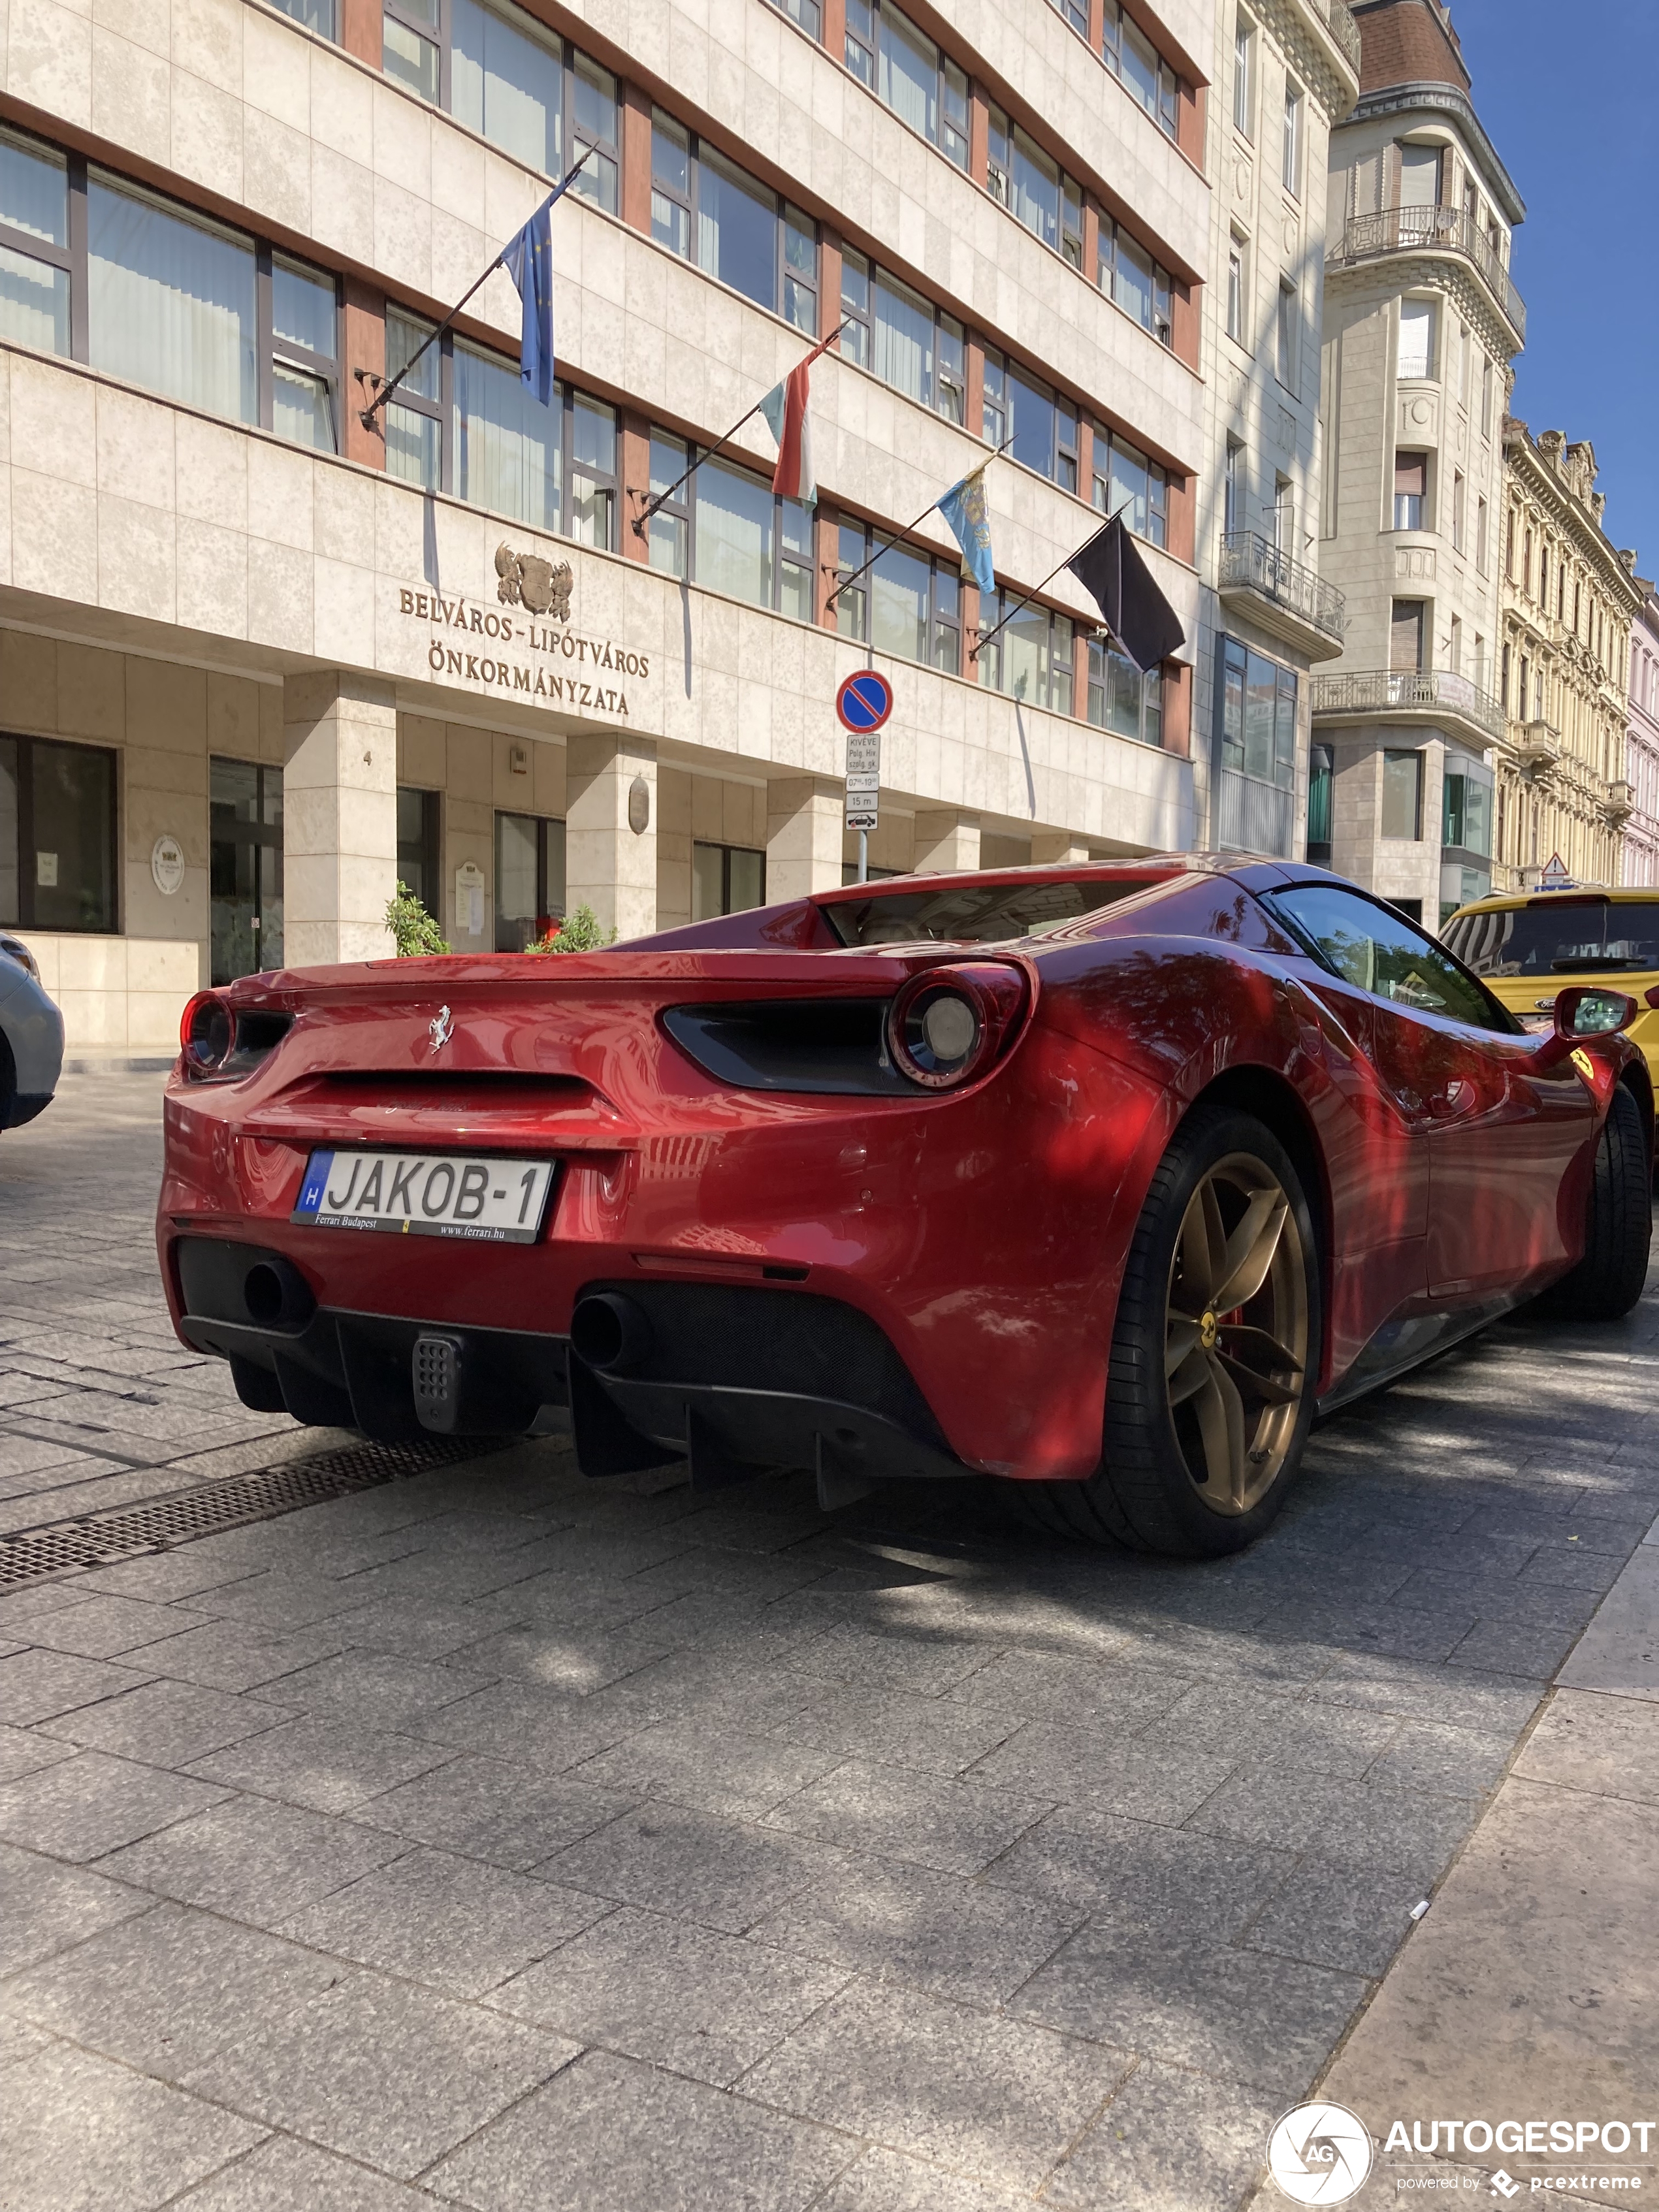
(1098, 1179)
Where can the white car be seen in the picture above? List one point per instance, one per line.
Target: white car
(31, 1037)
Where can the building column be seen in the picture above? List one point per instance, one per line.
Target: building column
(1058, 849)
(804, 817)
(339, 817)
(945, 842)
(610, 830)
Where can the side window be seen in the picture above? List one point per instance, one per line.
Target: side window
(1377, 950)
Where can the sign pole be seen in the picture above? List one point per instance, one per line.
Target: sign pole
(863, 856)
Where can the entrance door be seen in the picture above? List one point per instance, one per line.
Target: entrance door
(245, 858)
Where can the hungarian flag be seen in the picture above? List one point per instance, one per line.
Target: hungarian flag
(787, 408)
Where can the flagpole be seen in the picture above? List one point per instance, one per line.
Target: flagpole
(661, 498)
(986, 635)
(846, 582)
(366, 418)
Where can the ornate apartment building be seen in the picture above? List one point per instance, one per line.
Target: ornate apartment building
(1286, 73)
(1569, 600)
(1639, 861)
(1422, 322)
(259, 659)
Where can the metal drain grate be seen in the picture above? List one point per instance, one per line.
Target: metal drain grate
(97, 1539)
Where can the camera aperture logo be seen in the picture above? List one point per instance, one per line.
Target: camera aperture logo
(1320, 2154)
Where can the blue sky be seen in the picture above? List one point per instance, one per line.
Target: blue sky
(1569, 94)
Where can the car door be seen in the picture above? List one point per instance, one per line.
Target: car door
(1501, 1131)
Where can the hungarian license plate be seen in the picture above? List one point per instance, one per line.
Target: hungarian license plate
(488, 1199)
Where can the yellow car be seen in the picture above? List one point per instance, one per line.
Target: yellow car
(1527, 947)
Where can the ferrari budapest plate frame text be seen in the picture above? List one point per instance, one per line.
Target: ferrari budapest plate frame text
(482, 1198)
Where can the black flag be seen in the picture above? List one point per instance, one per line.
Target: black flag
(1111, 569)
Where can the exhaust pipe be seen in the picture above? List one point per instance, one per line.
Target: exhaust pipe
(276, 1295)
(610, 1333)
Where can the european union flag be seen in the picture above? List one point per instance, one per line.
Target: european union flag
(965, 509)
(529, 262)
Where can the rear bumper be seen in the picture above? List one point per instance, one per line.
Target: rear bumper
(732, 1381)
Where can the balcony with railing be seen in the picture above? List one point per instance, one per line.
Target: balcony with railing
(1430, 230)
(1436, 695)
(1338, 19)
(1295, 603)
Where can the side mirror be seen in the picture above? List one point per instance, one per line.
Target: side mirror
(1585, 1010)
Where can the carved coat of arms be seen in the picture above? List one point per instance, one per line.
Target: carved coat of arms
(528, 581)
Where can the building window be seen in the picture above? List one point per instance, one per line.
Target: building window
(1232, 503)
(1544, 578)
(725, 880)
(1402, 795)
(1132, 58)
(1407, 632)
(1416, 338)
(1284, 517)
(1505, 694)
(1509, 544)
(1526, 564)
(1132, 280)
(1043, 428)
(244, 869)
(1244, 73)
(1238, 293)
(905, 604)
(57, 835)
(1035, 189)
(165, 299)
(1485, 399)
(517, 85)
(1030, 660)
(736, 229)
(1525, 695)
(463, 422)
(1410, 472)
(906, 70)
(902, 338)
(1321, 781)
(729, 532)
(1121, 698)
(1296, 108)
(529, 879)
(805, 13)
(1258, 702)
(1467, 814)
(1459, 495)
(1481, 548)
(1285, 335)
(417, 850)
(1127, 484)
(317, 16)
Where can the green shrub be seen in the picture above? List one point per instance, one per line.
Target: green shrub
(577, 932)
(413, 929)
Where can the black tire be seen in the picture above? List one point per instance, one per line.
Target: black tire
(1613, 1271)
(1144, 1495)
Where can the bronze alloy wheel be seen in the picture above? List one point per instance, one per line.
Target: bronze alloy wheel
(1236, 1344)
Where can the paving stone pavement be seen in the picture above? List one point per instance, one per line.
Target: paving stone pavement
(506, 1840)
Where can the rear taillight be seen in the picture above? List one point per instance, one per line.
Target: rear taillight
(949, 1024)
(207, 1034)
(218, 1040)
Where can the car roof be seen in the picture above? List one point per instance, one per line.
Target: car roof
(1512, 902)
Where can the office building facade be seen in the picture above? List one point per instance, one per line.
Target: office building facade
(261, 659)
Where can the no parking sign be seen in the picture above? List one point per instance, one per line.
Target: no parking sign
(863, 703)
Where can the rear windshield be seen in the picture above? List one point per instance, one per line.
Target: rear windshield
(970, 914)
(1560, 936)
